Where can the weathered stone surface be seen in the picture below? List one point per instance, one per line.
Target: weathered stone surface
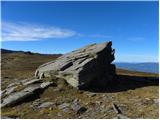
(82, 67)
(24, 94)
(18, 96)
(45, 84)
(31, 81)
(9, 90)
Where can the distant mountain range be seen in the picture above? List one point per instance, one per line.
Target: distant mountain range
(3, 51)
(152, 67)
(10, 51)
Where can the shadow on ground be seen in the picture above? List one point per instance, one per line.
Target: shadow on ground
(124, 83)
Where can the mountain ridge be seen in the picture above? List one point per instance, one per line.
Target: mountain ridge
(152, 67)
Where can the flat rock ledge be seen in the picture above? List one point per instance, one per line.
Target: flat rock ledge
(24, 94)
(83, 67)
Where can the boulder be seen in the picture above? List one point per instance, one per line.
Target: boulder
(82, 67)
(25, 94)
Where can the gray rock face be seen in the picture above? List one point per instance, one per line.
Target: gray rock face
(31, 81)
(82, 67)
(24, 94)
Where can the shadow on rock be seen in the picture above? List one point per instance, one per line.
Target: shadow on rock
(124, 83)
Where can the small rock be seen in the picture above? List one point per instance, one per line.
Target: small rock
(45, 105)
(156, 101)
(35, 104)
(77, 107)
(51, 108)
(57, 89)
(121, 116)
(91, 94)
(81, 110)
(64, 105)
(24, 94)
(59, 115)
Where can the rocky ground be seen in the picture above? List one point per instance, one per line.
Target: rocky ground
(133, 95)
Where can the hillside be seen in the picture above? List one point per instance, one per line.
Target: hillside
(135, 93)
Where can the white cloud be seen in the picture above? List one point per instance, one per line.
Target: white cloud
(31, 32)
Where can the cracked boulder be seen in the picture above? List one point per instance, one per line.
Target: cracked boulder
(82, 67)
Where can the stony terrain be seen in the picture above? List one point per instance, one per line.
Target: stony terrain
(133, 95)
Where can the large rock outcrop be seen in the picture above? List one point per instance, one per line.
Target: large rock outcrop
(82, 67)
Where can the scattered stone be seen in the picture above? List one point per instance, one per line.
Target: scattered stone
(19, 96)
(156, 101)
(119, 112)
(45, 105)
(35, 104)
(77, 67)
(91, 94)
(81, 110)
(116, 109)
(57, 90)
(107, 97)
(51, 108)
(63, 106)
(77, 107)
(120, 116)
(24, 94)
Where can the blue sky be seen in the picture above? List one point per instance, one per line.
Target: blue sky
(60, 27)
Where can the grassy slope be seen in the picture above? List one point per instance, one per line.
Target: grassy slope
(137, 102)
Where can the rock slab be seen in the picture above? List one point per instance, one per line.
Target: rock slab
(82, 67)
